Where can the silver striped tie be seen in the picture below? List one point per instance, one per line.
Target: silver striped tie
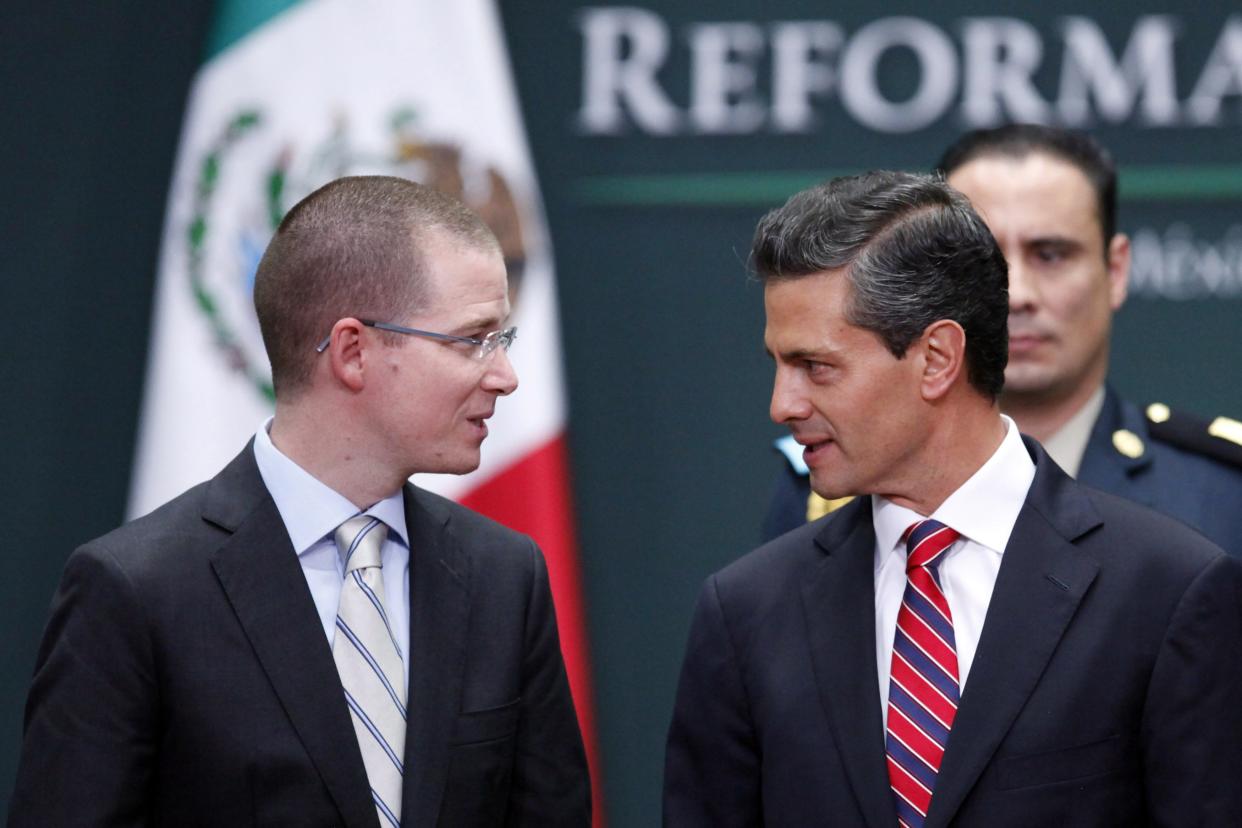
(370, 664)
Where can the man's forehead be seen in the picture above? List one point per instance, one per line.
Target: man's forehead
(1035, 197)
(456, 275)
(996, 177)
(804, 313)
(821, 291)
(461, 309)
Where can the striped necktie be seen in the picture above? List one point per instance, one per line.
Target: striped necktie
(923, 684)
(370, 664)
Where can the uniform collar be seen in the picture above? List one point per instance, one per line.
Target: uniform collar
(1068, 445)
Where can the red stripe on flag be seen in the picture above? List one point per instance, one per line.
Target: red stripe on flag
(533, 496)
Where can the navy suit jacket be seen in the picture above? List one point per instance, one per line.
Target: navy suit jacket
(184, 679)
(1202, 492)
(1104, 690)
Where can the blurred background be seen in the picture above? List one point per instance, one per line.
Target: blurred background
(659, 133)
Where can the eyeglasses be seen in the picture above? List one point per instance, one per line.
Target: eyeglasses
(482, 347)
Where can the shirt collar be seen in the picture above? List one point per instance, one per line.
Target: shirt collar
(1068, 445)
(983, 509)
(310, 509)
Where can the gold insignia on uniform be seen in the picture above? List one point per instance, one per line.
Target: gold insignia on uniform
(817, 507)
(1158, 413)
(1226, 429)
(1129, 443)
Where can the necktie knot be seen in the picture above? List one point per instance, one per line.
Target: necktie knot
(359, 540)
(926, 542)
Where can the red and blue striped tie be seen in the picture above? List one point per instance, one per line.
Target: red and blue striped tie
(923, 684)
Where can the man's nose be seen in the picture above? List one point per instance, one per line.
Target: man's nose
(788, 401)
(500, 376)
(1023, 294)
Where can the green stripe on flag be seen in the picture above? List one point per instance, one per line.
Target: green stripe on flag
(1202, 182)
(234, 19)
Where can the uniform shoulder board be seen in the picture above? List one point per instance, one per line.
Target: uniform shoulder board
(1220, 439)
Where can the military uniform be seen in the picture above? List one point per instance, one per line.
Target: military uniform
(1174, 463)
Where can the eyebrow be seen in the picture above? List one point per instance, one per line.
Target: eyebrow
(802, 353)
(488, 322)
(1058, 241)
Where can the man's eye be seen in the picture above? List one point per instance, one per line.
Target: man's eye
(1050, 254)
(816, 369)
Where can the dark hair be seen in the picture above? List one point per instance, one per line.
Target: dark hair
(914, 251)
(351, 248)
(1020, 140)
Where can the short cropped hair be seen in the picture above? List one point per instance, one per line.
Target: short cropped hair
(1017, 141)
(354, 247)
(914, 251)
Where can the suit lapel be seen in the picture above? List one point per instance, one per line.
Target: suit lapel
(1041, 582)
(439, 612)
(839, 605)
(259, 572)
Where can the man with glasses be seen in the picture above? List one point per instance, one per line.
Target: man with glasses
(308, 639)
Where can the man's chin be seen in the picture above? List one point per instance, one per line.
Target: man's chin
(1026, 381)
(829, 489)
(464, 468)
(454, 465)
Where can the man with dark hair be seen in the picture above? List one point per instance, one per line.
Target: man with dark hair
(977, 639)
(307, 639)
(1049, 196)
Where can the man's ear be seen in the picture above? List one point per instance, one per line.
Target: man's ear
(1118, 270)
(943, 346)
(347, 353)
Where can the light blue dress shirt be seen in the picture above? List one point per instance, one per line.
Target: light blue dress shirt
(311, 511)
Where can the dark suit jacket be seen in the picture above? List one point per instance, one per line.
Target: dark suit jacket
(1105, 689)
(184, 679)
(1197, 489)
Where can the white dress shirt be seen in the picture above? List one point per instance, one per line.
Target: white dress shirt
(311, 511)
(983, 511)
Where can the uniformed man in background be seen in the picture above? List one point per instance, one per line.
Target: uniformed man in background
(1049, 196)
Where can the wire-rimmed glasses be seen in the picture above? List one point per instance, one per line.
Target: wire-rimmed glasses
(482, 346)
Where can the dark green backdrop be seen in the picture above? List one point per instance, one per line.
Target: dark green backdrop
(668, 383)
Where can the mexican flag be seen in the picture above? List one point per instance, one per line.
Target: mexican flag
(294, 94)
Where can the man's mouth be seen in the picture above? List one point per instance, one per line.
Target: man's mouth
(813, 448)
(479, 421)
(1023, 342)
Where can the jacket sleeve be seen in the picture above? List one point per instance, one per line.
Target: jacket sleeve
(712, 762)
(1192, 719)
(551, 786)
(91, 717)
